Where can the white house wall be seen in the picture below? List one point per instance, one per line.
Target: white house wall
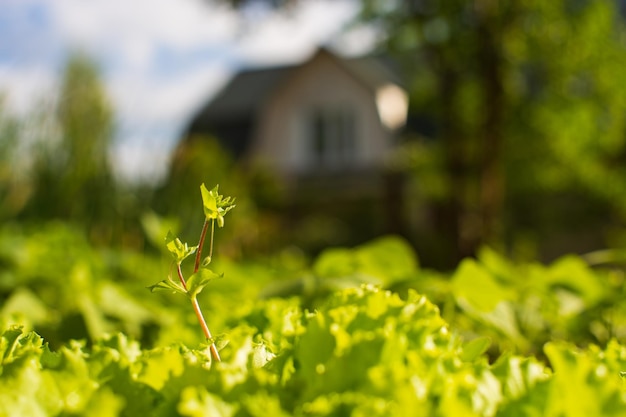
(281, 139)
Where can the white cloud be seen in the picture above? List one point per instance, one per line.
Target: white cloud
(293, 35)
(358, 40)
(131, 33)
(24, 88)
(150, 120)
(160, 58)
(139, 159)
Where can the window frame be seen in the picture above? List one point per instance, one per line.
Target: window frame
(332, 137)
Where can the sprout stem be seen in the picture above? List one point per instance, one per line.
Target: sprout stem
(207, 333)
(211, 242)
(180, 276)
(194, 301)
(200, 316)
(201, 244)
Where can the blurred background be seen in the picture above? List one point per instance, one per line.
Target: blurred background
(454, 124)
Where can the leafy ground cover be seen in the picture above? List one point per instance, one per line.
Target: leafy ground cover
(363, 352)
(358, 331)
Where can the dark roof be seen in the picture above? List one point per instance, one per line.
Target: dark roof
(374, 70)
(230, 115)
(244, 93)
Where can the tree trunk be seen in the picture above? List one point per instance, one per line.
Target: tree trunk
(455, 163)
(492, 181)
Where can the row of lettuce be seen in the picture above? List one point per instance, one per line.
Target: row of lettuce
(358, 331)
(363, 352)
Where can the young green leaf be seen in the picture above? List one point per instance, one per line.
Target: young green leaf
(167, 285)
(475, 348)
(8, 341)
(199, 280)
(215, 205)
(178, 249)
(209, 201)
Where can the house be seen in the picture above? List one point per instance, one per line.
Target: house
(327, 119)
(324, 128)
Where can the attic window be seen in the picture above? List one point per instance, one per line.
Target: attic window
(333, 137)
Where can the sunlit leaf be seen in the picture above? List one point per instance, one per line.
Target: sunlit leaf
(572, 273)
(475, 348)
(475, 285)
(8, 341)
(209, 201)
(167, 285)
(198, 402)
(178, 249)
(155, 226)
(215, 205)
(199, 280)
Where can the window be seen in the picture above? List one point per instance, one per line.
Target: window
(333, 137)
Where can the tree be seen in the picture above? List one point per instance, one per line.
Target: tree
(86, 121)
(12, 193)
(72, 177)
(528, 97)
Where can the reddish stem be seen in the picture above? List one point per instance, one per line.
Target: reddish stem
(212, 236)
(205, 227)
(180, 276)
(196, 308)
(205, 329)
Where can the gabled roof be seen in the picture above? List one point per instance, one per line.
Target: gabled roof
(230, 115)
(245, 93)
(374, 70)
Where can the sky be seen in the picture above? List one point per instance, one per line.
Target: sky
(160, 60)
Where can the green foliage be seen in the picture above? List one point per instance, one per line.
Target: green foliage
(362, 352)
(382, 261)
(178, 249)
(582, 379)
(523, 306)
(215, 205)
(200, 160)
(215, 208)
(364, 332)
(168, 285)
(527, 101)
(52, 279)
(86, 120)
(71, 175)
(12, 177)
